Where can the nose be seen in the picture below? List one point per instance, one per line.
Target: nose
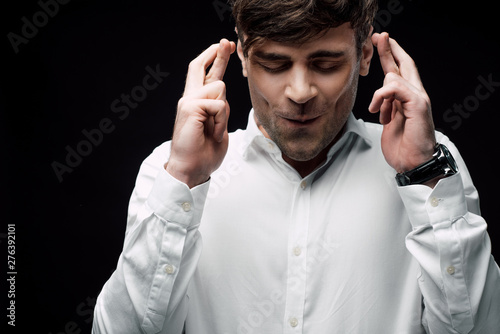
(300, 87)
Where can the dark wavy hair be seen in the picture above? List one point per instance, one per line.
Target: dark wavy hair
(297, 21)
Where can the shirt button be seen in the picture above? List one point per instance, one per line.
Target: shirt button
(297, 251)
(303, 184)
(294, 322)
(186, 206)
(450, 270)
(434, 202)
(169, 269)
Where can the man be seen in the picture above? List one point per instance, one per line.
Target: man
(297, 224)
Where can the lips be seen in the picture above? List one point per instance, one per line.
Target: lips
(301, 120)
(304, 120)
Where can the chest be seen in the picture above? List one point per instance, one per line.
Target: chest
(324, 251)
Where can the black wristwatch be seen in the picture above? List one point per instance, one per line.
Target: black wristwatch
(442, 163)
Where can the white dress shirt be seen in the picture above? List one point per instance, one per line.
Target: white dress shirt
(259, 249)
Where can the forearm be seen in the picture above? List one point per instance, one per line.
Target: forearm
(147, 292)
(459, 281)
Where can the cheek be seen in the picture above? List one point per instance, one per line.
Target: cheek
(339, 86)
(264, 90)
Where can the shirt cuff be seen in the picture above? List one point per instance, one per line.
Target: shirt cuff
(173, 201)
(445, 203)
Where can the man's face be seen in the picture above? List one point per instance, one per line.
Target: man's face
(303, 94)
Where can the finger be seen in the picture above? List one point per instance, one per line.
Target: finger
(401, 94)
(197, 69)
(211, 114)
(395, 59)
(407, 67)
(219, 66)
(215, 90)
(386, 111)
(387, 59)
(394, 89)
(220, 123)
(216, 120)
(382, 102)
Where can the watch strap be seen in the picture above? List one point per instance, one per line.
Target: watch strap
(442, 163)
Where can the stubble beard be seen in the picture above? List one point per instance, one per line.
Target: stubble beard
(303, 144)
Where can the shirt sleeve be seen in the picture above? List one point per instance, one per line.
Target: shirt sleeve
(459, 279)
(147, 291)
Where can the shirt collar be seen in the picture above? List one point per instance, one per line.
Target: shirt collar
(253, 135)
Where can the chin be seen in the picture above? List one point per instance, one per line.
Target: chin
(303, 153)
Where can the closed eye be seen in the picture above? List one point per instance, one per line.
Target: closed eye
(326, 66)
(274, 67)
(320, 66)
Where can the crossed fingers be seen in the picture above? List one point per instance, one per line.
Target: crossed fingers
(402, 84)
(205, 93)
(216, 55)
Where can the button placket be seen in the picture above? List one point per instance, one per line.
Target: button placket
(297, 258)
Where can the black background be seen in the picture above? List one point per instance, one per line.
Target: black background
(69, 234)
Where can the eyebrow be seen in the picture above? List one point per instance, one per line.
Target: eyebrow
(327, 54)
(271, 56)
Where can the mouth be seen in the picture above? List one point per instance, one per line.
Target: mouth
(301, 121)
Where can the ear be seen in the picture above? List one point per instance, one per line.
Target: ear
(366, 55)
(239, 50)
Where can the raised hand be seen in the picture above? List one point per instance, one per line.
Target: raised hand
(200, 138)
(408, 138)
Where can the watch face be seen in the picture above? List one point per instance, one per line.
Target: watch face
(451, 161)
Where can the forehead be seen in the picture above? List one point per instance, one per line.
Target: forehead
(341, 39)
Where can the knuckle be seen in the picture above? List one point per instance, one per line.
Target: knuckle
(392, 77)
(393, 80)
(424, 103)
(195, 63)
(183, 103)
(218, 85)
(408, 61)
(221, 105)
(427, 101)
(221, 85)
